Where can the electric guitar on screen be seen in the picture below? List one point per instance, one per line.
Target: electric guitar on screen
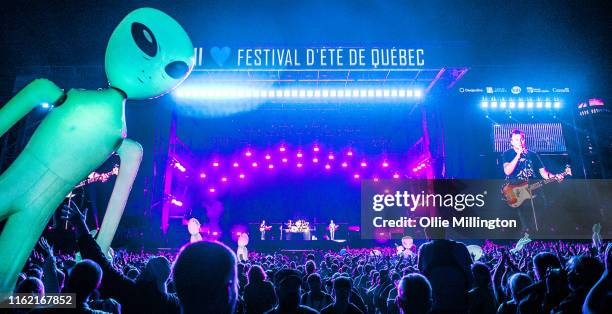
(516, 194)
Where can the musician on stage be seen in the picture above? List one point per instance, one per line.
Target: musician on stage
(520, 165)
(332, 229)
(263, 228)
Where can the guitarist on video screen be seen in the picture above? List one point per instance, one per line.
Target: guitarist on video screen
(521, 166)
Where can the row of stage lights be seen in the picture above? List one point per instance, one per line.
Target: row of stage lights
(520, 103)
(292, 93)
(300, 162)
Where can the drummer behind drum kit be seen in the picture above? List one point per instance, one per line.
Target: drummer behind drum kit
(299, 226)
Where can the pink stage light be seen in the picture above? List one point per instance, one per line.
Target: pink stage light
(354, 228)
(212, 190)
(375, 179)
(268, 157)
(176, 202)
(254, 164)
(241, 176)
(215, 233)
(299, 165)
(363, 164)
(356, 176)
(315, 160)
(299, 155)
(316, 148)
(284, 159)
(215, 164)
(327, 167)
(349, 153)
(330, 157)
(385, 164)
(270, 166)
(344, 165)
(224, 179)
(248, 153)
(203, 175)
(282, 149)
(180, 167)
(235, 165)
(395, 176)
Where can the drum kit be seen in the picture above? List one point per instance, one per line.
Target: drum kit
(299, 226)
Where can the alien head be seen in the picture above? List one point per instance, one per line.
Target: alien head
(148, 54)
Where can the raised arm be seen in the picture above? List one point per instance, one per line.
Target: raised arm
(595, 301)
(130, 154)
(50, 280)
(114, 283)
(37, 92)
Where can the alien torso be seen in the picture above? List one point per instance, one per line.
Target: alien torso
(89, 124)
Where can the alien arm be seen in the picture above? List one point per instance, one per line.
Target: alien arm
(37, 92)
(130, 154)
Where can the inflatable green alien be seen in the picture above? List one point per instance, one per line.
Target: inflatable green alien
(147, 56)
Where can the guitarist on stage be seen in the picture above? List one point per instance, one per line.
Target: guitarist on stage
(263, 228)
(520, 165)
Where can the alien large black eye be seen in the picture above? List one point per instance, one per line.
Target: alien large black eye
(144, 39)
(177, 69)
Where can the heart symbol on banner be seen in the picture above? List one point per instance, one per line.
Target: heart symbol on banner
(220, 55)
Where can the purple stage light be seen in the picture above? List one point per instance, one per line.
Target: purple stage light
(299, 165)
(282, 149)
(235, 165)
(349, 153)
(248, 153)
(224, 179)
(270, 166)
(354, 228)
(212, 190)
(215, 233)
(385, 164)
(356, 176)
(344, 165)
(268, 157)
(375, 179)
(330, 157)
(203, 175)
(315, 160)
(327, 167)
(176, 202)
(180, 167)
(316, 148)
(299, 155)
(241, 176)
(396, 176)
(215, 164)
(364, 164)
(284, 160)
(254, 164)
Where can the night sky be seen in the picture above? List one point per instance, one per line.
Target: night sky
(543, 34)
